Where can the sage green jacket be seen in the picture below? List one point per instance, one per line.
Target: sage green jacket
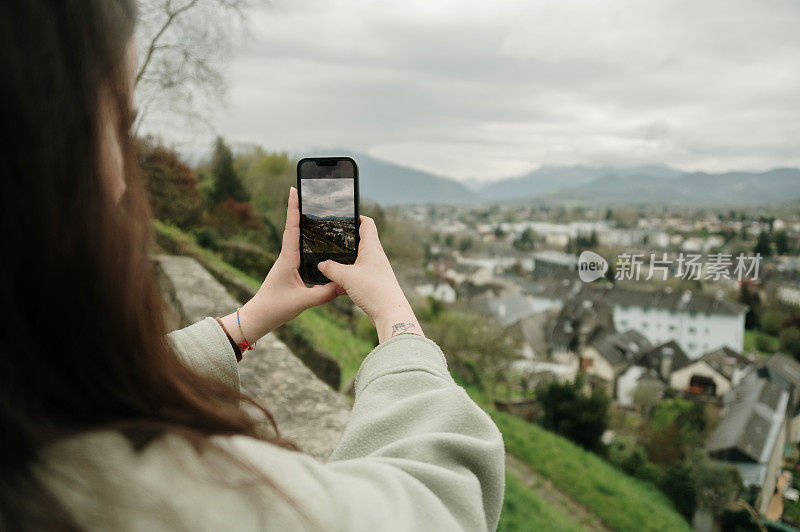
(417, 454)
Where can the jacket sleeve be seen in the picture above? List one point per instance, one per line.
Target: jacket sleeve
(431, 448)
(204, 347)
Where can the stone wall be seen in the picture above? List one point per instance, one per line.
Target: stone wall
(306, 410)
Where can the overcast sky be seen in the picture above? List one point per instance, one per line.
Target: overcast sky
(329, 197)
(488, 89)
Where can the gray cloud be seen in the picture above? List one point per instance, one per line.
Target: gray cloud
(476, 89)
(328, 197)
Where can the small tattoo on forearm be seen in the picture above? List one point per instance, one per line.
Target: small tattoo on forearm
(399, 328)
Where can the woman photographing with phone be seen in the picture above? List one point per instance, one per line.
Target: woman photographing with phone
(107, 422)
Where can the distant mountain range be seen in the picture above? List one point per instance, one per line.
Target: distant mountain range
(393, 184)
(390, 184)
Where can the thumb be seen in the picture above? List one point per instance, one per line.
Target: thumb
(338, 273)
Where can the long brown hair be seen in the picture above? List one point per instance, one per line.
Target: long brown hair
(82, 330)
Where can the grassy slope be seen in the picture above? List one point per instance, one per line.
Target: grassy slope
(524, 510)
(622, 502)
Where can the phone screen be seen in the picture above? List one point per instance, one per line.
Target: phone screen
(328, 189)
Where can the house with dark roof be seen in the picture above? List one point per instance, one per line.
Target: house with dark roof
(714, 373)
(581, 321)
(783, 371)
(752, 433)
(533, 331)
(652, 369)
(605, 358)
(664, 358)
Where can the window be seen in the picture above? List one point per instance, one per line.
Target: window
(644, 325)
(671, 327)
(692, 330)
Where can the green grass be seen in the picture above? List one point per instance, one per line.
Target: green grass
(186, 244)
(622, 502)
(524, 510)
(753, 338)
(323, 329)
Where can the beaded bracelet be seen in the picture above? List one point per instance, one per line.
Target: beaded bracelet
(245, 345)
(236, 349)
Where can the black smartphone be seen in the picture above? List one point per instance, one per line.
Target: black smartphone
(328, 192)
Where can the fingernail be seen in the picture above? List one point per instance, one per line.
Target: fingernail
(321, 265)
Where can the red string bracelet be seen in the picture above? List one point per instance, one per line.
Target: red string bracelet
(245, 345)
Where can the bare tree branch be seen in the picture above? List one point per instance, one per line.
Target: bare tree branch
(172, 15)
(184, 46)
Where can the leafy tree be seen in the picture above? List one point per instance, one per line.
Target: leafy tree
(664, 445)
(749, 297)
(481, 342)
(226, 182)
(772, 321)
(792, 321)
(171, 185)
(717, 484)
(677, 428)
(763, 246)
(764, 343)
(790, 341)
(465, 244)
(377, 213)
(679, 486)
(568, 411)
(231, 217)
(781, 242)
(266, 176)
(526, 241)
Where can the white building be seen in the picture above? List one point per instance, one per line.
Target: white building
(698, 322)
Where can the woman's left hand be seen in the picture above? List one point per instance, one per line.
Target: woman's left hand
(283, 294)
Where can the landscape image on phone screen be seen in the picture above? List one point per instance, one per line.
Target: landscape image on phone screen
(328, 220)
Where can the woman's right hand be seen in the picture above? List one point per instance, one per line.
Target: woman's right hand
(371, 284)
